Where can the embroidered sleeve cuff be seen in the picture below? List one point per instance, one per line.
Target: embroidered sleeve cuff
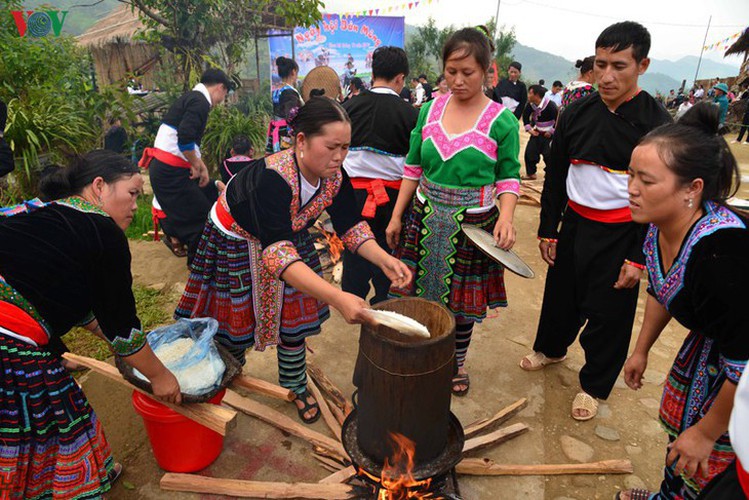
(186, 147)
(412, 172)
(508, 186)
(733, 368)
(128, 346)
(278, 256)
(357, 235)
(635, 264)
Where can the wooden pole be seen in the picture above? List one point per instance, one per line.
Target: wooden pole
(257, 489)
(341, 476)
(497, 437)
(281, 421)
(329, 388)
(502, 416)
(486, 467)
(327, 415)
(215, 417)
(262, 387)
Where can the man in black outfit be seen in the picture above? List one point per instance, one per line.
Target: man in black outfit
(427, 87)
(511, 92)
(539, 119)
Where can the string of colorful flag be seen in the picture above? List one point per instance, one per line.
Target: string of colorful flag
(392, 9)
(725, 43)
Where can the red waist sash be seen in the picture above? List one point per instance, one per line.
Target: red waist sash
(608, 216)
(163, 156)
(16, 320)
(743, 477)
(376, 194)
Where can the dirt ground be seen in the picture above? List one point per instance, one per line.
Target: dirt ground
(626, 426)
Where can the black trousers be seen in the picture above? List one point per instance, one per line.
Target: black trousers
(744, 126)
(357, 271)
(185, 203)
(579, 289)
(537, 145)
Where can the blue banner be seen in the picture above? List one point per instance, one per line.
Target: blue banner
(345, 44)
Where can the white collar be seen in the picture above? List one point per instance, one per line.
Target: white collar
(203, 90)
(383, 90)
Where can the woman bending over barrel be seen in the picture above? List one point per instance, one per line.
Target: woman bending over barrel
(696, 254)
(463, 155)
(257, 271)
(62, 264)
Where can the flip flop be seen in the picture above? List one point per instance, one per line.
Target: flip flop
(461, 379)
(116, 472)
(304, 398)
(634, 494)
(538, 361)
(178, 249)
(584, 401)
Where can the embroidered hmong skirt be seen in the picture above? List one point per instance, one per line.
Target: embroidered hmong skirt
(51, 443)
(696, 377)
(220, 287)
(446, 266)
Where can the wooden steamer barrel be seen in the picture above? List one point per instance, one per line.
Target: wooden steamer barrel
(404, 382)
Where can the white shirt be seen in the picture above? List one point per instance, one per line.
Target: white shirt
(419, 95)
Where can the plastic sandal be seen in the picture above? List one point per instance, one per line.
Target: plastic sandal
(539, 361)
(304, 398)
(461, 379)
(634, 494)
(178, 249)
(584, 401)
(116, 472)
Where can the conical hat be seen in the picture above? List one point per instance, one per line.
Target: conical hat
(322, 77)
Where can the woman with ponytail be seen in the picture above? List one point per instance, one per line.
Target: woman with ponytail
(285, 98)
(577, 89)
(680, 176)
(257, 271)
(63, 263)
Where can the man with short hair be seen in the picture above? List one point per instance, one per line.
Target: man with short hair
(511, 92)
(556, 93)
(595, 259)
(381, 124)
(539, 118)
(428, 90)
(179, 177)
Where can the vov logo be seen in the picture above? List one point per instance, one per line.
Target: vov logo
(39, 23)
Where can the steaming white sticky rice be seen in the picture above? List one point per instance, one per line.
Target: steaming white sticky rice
(195, 379)
(399, 322)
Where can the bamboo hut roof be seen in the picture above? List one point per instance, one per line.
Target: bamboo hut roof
(741, 45)
(123, 23)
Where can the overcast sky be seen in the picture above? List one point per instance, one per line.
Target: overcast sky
(569, 28)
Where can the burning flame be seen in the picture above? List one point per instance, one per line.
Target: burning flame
(397, 480)
(333, 242)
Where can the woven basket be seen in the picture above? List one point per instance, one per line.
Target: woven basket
(233, 368)
(322, 77)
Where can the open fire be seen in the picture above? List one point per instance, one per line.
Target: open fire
(397, 481)
(330, 240)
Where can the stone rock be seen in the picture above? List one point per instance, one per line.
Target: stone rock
(566, 379)
(633, 481)
(633, 450)
(651, 428)
(607, 433)
(575, 449)
(650, 403)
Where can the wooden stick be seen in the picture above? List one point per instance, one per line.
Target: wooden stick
(324, 452)
(215, 417)
(327, 415)
(341, 476)
(329, 388)
(262, 387)
(502, 416)
(277, 419)
(486, 467)
(337, 412)
(329, 463)
(256, 489)
(497, 437)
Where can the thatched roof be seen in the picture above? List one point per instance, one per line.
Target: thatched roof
(741, 45)
(122, 23)
(117, 27)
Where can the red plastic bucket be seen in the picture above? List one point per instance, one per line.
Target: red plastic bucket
(179, 444)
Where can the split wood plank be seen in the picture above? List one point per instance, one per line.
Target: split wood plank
(281, 421)
(501, 416)
(494, 438)
(329, 388)
(486, 467)
(327, 414)
(256, 489)
(262, 387)
(324, 452)
(337, 412)
(215, 417)
(341, 476)
(329, 461)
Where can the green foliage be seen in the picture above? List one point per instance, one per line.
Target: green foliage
(214, 32)
(224, 123)
(142, 220)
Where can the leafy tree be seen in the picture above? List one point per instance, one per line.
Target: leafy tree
(192, 29)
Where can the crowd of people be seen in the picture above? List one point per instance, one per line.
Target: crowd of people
(627, 191)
